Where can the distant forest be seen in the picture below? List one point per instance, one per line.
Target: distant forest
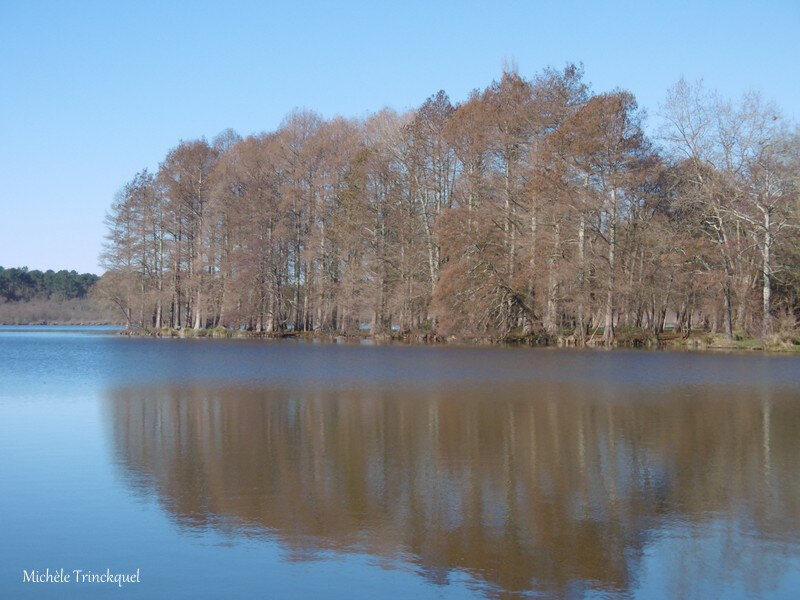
(50, 297)
(536, 207)
(20, 284)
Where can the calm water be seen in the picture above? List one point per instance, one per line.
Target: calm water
(238, 469)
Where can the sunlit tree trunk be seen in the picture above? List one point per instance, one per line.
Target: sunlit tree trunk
(766, 290)
(608, 332)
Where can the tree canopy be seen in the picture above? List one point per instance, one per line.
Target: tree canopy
(535, 206)
(21, 284)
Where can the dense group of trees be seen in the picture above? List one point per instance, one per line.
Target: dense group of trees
(535, 206)
(22, 285)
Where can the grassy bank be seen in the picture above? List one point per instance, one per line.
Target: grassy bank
(696, 340)
(786, 342)
(224, 333)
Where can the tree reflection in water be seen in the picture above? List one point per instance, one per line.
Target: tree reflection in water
(554, 489)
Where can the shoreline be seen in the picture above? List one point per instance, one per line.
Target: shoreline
(697, 341)
(635, 340)
(56, 323)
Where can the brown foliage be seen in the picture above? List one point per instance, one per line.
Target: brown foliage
(534, 206)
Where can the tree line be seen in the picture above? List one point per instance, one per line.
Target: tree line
(22, 285)
(536, 207)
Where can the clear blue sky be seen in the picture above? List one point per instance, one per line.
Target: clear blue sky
(92, 92)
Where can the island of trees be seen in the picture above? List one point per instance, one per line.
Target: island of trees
(536, 209)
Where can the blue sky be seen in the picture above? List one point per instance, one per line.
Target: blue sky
(92, 92)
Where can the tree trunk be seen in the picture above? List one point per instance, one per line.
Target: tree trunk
(552, 297)
(197, 309)
(766, 291)
(608, 331)
(727, 316)
(580, 329)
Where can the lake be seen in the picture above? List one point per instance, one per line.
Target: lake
(288, 469)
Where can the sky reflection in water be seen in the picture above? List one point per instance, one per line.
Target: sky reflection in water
(432, 472)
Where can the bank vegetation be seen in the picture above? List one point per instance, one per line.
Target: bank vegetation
(33, 297)
(535, 210)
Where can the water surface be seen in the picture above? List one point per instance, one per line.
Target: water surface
(231, 469)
